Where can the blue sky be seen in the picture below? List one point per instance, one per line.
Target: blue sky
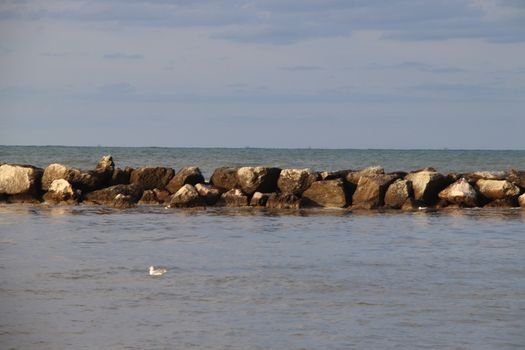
(275, 73)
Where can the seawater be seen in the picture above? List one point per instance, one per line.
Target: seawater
(317, 159)
(76, 277)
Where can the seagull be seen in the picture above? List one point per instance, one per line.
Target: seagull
(157, 271)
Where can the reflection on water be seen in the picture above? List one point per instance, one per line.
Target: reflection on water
(76, 277)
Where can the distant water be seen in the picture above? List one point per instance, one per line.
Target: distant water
(76, 278)
(318, 159)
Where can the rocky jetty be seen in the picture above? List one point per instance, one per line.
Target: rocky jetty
(259, 187)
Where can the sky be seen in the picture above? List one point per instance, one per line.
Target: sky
(273, 73)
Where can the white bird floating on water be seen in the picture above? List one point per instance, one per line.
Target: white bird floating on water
(157, 271)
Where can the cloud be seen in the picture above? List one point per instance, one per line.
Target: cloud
(122, 56)
(289, 21)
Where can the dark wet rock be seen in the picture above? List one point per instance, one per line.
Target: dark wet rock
(107, 195)
(398, 193)
(150, 197)
(186, 197)
(426, 185)
(283, 201)
(234, 198)
(510, 202)
(150, 178)
(190, 175)
(120, 176)
(460, 193)
(517, 177)
(371, 190)
(257, 179)
(61, 192)
(328, 193)
(23, 181)
(354, 176)
(497, 189)
(259, 199)
(225, 178)
(104, 169)
(333, 175)
(210, 194)
(296, 181)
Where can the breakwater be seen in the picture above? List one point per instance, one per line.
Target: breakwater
(257, 186)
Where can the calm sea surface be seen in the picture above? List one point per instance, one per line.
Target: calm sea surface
(76, 277)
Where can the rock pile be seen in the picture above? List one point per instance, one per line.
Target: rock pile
(258, 186)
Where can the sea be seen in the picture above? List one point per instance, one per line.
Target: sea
(76, 277)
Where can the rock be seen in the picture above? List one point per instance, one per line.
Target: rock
(258, 179)
(295, 181)
(150, 178)
(460, 193)
(510, 202)
(186, 197)
(190, 175)
(84, 180)
(332, 175)
(163, 196)
(104, 169)
(107, 195)
(328, 193)
(234, 198)
(487, 175)
(427, 185)
(210, 194)
(370, 192)
(120, 176)
(398, 194)
(224, 178)
(521, 200)
(259, 199)
(20, 180)
(497, 189)
(517, 177)
(354, 176)
(122, 201)
(61, 191)
(283, 201)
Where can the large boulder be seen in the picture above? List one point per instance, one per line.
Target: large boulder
(150, 178)
(234, 198)
(398, 193)
(296, 181)
(20, 180)
(210, 194)
(224, 178)
(54, 172)
(120, 176)
(154, 196)
(427, 184)
(328, 193)
(370, 192)
(257, 179)
(190, 175)
(283, 201)
(354, 176)
(486, 175)
(107, 195)
(186, 197)
(460, 193)
(122, 201)
(332, 175)
(497, 189)
(104, 169)
(61, 191)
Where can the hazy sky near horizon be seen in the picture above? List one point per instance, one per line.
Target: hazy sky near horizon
(274, 73)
